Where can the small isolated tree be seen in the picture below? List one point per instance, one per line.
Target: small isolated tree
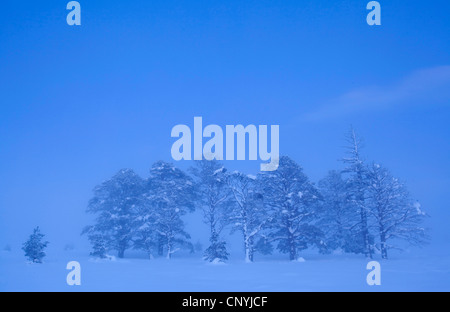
(99, 247)
(217, 251)
(34, 246)
(395, 217)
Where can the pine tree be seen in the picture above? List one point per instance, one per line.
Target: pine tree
(336, 215)
(213, 197)
(169, 195)
(115, 203)
(34, 246)
(291, 197)
(395, 217)
(99, 247)
(217, 251)
(146, 237)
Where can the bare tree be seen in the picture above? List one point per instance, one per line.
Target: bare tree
(248, 214)
(357, 185)
(395, 216)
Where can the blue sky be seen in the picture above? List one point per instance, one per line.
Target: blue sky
(79, 103)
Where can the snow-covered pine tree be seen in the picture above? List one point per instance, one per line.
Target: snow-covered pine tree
(34, 246)
(395, 216)
(172, 194)
(114, 204)
(213, 197)
(99, 247)
(336, 216)
(248, 214)
(145, 225)
(356, 189)
(217, 251)
(292, 198)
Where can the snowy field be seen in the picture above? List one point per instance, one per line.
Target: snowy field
(404, 272)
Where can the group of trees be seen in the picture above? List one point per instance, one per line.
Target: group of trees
(365, 209)
(142, 214)
(362, 209)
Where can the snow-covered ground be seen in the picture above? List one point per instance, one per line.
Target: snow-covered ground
(404, 272)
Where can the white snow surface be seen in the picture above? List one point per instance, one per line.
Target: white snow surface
(313, 272)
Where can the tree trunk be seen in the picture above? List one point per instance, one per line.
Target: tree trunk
(364, 227)
(160, 246)
(170, 246)
(250, 247)
(365, 232)
(247, 246)
(248, 251)
(292, 248)
(383, 245)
